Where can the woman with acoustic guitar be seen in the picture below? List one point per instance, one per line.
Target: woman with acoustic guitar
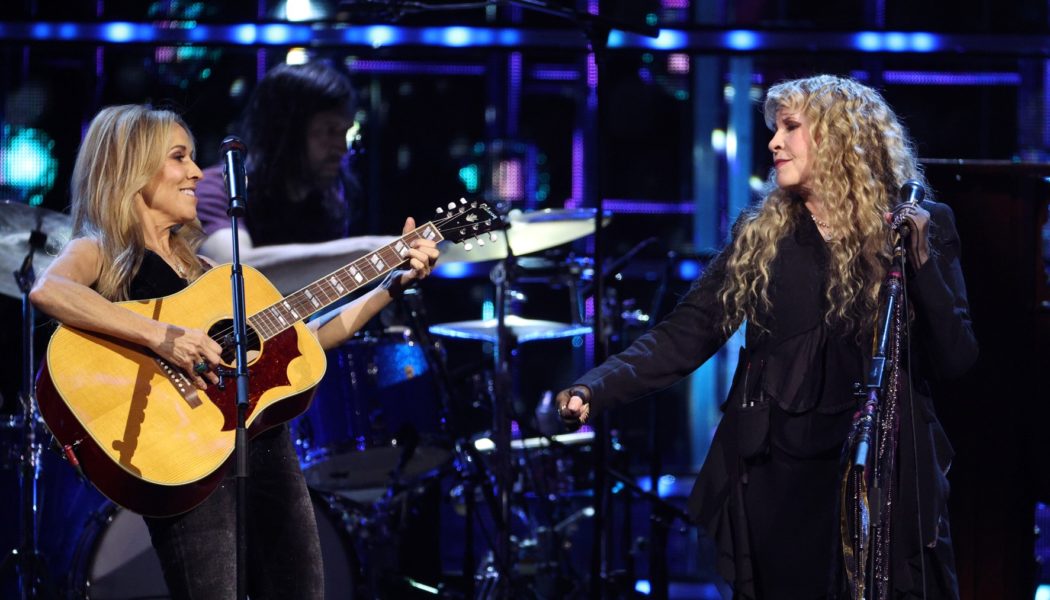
(135, 238)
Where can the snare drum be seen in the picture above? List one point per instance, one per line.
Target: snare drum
(376, 402)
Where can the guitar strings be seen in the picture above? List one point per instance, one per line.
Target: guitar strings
(253, 337)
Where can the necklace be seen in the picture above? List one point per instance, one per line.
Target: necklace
(822, 227)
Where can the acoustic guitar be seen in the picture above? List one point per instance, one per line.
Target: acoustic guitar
(144, 435)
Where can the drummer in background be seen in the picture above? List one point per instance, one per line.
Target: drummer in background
(135, 236)
(303, 200)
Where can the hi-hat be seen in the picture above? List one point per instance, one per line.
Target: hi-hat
(527, 232)
(17, 222)
(522, 329)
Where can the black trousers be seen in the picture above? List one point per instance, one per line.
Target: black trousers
(197, 549)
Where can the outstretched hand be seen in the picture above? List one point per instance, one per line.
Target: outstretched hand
(574, 405)
(917, 220)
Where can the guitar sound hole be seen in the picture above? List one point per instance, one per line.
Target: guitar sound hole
(222, 332)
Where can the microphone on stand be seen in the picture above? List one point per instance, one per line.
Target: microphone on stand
(233, 151)
(911, 194)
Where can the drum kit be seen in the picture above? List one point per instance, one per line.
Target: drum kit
(376, 437)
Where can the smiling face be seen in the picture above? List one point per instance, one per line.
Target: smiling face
(171, 195)
(792, 148)
(326, 142)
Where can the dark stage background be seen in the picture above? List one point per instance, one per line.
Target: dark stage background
(452, 95)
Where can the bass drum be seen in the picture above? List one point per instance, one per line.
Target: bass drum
(115, 560)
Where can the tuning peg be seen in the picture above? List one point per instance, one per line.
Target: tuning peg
(452, 206)
(481, 241)
(492, 236)
(468, 246)
(440, 211)
(462, 200)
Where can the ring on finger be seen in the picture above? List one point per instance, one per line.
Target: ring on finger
(201, 367)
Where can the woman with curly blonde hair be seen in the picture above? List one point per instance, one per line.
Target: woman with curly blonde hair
(803, 271)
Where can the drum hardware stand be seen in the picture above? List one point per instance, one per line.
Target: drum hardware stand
(432, 354)
(26, 559)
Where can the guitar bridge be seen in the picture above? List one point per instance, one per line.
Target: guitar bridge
(185, 387)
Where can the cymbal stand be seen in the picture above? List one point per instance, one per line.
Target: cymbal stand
(26, 559)
(501, 417)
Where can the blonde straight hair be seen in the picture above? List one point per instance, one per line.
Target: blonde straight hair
(125, 146)
(861, 157)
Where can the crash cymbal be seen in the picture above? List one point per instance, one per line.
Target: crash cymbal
(17, 222)
(527, 232)
(524, 330)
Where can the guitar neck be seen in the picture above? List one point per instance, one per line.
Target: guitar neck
(320, 294)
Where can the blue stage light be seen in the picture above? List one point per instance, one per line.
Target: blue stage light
(868, 41)
(244, 34)
(688, 270)
(742, 40)
(118, 32)
(458, 37)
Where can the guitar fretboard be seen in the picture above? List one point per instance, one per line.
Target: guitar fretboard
(316, 296)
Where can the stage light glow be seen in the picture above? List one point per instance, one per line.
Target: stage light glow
(469, 176)
(868, 41)
(380, 35)
(276, 33)
(667, 40)
(923, 42)
(244, 34)
(688, 270)
(742, 40)
(896, 42)
(457, 37)
(297, 56)
(27, 162)
(118, 32)
(718, 140)
(457, 270)
(678, 64)
(300, 10)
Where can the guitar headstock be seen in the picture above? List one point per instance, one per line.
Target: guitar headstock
(464, 220)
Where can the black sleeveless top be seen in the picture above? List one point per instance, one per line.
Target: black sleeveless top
(154, 279)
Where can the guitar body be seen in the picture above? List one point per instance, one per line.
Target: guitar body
(142, 434)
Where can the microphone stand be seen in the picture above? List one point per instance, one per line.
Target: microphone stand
(240, 338)
(869, 490)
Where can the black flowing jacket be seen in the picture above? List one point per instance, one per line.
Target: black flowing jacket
(799, 363)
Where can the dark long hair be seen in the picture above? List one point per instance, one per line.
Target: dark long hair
(274, 127)
(277, 115)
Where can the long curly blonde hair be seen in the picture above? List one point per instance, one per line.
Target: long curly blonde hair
(861, 155)
(123, 149)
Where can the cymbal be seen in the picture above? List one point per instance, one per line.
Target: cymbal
(17, 221)
(524, 330)
(527, 232)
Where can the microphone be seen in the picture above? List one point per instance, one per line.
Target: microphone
(233, 151)
(912, 192)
